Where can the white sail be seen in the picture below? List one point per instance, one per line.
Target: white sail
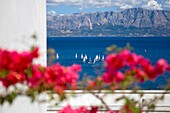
(103, 57)
(81, 56)
(145, 50)
(99, 57)
(57, 56)
(85, 56)
(76, 56)
(84, 59)
(94, 61)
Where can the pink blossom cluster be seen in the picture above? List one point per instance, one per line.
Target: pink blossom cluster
(18, 68)
(35, 75)
(62, 77)
(119, 64)
(14, 61)
(55, 77)
(82, 109)
(14, 64)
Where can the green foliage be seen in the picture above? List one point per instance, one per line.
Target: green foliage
(8, 98)
(29, 72)
(4, 73)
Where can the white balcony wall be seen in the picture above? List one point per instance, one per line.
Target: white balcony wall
(19, 20)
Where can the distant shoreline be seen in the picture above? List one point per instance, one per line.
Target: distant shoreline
(104, 36)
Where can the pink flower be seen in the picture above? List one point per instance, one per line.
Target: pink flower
(91, 84)
(68, 109)
(4, 59)
(117, 63)
(61, 76)
(119, 77)
(116, 77)
(20, 61)
(114, 61)
(140, 75)
(93, 109)
(150, 71)
(161, 66)
(113, 111)
(35, 75)
(12, 78)
(107, 78)
(81, 109)
(125, 54)
(76, 67)
(144, 63)
(168, 68)
(35, 52)
(132, 60)
(12, 60)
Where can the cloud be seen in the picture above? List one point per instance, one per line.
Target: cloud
(152, 4)
(67, 2)
(118, 4)
(124, 4)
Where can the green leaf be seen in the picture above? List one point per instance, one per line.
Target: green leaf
(2, 100)
(3, 73)
(29, 72)
(31, 93)
(152, 106)
(10, 98)
(135, 109)
(124, 84)
(128, 102)
(62, 97)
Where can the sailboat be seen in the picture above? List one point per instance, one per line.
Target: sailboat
(84, 59)
(76, 56)
(81, 56)
(57, 56)
(85, 56)
(97, 57)
(145, 50)
(102, 57)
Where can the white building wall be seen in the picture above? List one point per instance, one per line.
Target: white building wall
(19, 20)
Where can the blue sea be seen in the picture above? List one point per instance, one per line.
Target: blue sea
(90, 52)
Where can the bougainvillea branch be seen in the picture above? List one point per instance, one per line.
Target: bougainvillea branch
(122, 69)
(19, 68)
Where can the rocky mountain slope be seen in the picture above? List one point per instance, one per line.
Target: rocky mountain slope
(130, 22)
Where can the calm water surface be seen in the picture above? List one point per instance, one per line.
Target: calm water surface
(90, 52)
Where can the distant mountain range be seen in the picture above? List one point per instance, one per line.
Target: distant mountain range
(130, 22)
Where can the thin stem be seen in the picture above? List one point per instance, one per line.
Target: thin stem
(101, 99)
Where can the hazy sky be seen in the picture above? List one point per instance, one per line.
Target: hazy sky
(75, 6)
